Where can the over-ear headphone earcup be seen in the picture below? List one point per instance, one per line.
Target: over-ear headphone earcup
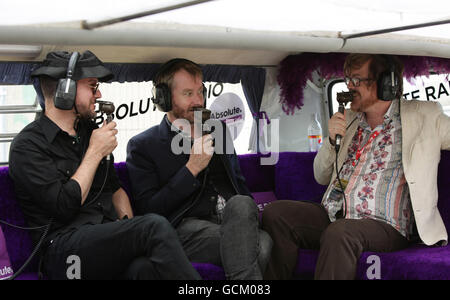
(388, 84)
(162, 97)
(205, 95)
(386, 88)
(66, 93)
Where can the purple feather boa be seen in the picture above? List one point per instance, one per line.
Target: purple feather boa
(295, 70)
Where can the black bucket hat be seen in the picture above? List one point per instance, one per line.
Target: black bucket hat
(88, 65)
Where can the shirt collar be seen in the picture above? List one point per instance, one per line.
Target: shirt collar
(176, 130)
(49, 128)
(392, 114)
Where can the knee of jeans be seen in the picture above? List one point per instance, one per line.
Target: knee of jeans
(158, 224)
(265, 249)
(241, 205)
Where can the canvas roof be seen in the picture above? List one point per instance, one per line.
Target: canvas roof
(253, 32)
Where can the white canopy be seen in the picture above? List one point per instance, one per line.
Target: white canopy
(253, 32)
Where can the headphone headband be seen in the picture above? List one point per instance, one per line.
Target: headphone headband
(72, 64)
(169, 65)
(162, 96)
(66, 90)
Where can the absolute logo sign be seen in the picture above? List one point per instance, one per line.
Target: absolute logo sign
(235, 114)
(229, 108)
(6, 270)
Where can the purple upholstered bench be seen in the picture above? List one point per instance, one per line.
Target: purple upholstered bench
(291, 178)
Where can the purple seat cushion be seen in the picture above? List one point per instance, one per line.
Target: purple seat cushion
(28, 276)
(209, 271)
(417, 262)
(262, 199)
(122, 173)
(259, 178)
(444, 188)
(294, 178)
(18, 241)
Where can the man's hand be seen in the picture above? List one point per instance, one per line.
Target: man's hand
(201, 154)
(103, 140)
(336, 125)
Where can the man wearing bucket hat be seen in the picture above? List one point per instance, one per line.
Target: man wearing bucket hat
(67, 187)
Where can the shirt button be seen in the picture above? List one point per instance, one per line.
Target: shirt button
(67, 172)
(73, 142)
(99, 204)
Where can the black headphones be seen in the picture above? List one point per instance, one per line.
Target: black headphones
(66, 91)
(162, 96)
(388, 82)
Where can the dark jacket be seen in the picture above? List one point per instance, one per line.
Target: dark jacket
(160, 181)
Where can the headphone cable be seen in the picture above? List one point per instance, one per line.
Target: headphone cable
(344, 206)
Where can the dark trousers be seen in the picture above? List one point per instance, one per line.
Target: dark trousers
(295, 225)
(237, 243)
(145, 247)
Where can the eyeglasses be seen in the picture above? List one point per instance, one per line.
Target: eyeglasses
(95, 88)
(355, 80)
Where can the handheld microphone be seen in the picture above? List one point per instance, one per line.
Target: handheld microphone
(343, 98)
(107, 107)
(205, 116)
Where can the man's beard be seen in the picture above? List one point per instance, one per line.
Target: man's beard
(184, 114)
(363, 105)
(85, 114)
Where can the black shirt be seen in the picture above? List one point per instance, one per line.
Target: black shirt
(43, 158)
(217, 182)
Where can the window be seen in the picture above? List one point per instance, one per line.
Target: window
(425, 88)
(18, 107)
(432, 88)
(134, 111)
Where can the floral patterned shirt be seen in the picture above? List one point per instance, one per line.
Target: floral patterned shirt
(373, 173)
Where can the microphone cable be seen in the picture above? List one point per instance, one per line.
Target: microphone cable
(22, 228)
(36, 248)
(108, 162)
(344, 206)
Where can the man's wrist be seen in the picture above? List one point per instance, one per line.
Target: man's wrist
(192, 169)
(93, 156)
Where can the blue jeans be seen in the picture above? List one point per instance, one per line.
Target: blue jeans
(237, 244)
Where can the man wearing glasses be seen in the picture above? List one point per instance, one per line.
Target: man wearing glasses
(65, 184)
(385, 196)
